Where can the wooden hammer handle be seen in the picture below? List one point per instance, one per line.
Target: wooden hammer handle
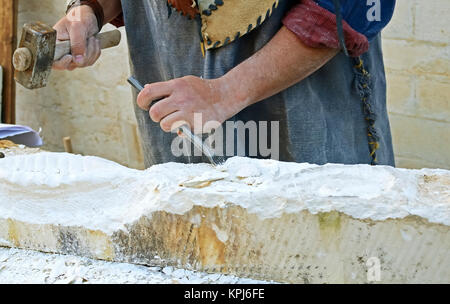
(107, 40)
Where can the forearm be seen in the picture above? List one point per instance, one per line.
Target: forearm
(283, 62)
(111, 9)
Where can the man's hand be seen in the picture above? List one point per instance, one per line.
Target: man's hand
(79, 26)
(183, 97)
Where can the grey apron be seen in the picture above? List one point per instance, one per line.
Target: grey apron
(321, 119)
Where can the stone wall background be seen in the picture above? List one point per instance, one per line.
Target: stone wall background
(417, 59)
(93, 105)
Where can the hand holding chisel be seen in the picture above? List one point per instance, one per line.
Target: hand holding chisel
(184, 130)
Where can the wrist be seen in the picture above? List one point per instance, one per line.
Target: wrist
(236, 88)
(92, 6)
(230, 94)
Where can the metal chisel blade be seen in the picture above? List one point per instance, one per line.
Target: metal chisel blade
(197, 143)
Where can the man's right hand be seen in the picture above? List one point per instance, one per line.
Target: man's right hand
(79, 26)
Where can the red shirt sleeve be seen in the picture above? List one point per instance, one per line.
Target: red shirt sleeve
(317, 28)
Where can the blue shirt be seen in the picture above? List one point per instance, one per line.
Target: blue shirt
(355, 13)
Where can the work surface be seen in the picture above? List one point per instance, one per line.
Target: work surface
(260, 219)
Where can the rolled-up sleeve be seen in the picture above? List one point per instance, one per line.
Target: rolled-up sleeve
(314, 22)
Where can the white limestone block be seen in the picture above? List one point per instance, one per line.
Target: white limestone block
(262, 219)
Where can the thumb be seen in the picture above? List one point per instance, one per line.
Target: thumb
(62, 34)
(78, 42)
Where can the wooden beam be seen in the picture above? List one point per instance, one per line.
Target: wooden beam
(8, 43)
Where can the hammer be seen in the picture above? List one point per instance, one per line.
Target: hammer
(38, 49)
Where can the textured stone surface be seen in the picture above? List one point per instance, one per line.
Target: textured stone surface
(265, 220)
(19, 266)
(301, 248)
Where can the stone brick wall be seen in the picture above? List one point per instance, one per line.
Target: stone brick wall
(93, 105)
(417, 59)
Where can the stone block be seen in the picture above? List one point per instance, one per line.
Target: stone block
(263, 219)
(420, 138)
(431, 21)
(402, 23)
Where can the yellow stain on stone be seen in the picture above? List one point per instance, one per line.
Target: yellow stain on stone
(212, 250)
(101, 244)
(329, 223)
(13, 233)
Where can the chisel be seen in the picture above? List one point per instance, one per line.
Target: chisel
(183, 130)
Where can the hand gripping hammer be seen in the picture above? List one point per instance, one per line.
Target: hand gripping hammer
(38, 49)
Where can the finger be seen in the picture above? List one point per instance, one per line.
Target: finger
(63, 63)
(78, 41)
(98, 50)
(172, 122)
(152, 92)
(62, 35)
(162, 108)
(61, 30)
(90, 52)
(72, 66)
(93, 51)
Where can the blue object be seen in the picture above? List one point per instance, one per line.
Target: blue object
(362, 15)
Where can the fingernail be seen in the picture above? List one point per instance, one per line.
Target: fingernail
(78, 59)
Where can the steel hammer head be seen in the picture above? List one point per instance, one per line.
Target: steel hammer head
(34, 57)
